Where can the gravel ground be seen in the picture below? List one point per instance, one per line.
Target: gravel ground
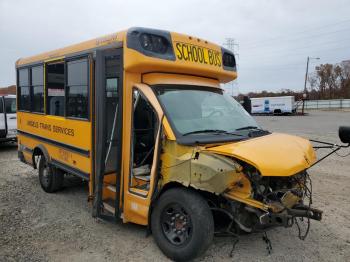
(35, 226)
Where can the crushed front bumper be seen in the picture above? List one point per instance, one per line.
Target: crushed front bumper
(286, 217)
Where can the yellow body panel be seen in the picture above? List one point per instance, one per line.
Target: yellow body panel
(157, 78)
(138, 62)
(57, 153)
(69, 132)
(273, 155)
(72, 132)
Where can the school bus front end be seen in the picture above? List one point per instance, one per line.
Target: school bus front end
(140, 114)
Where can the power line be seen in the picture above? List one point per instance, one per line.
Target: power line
(318, 28)
(274, 52)
(293, 54)
(299, 38)
(306, 46)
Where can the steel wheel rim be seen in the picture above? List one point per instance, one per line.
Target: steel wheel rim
(176, 224)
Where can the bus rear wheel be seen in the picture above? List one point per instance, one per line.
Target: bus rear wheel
(182, 224)
(50, 178)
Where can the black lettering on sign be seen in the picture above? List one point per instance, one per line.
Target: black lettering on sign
(48, 127)
(32, 123)
(197, 54)
(218, 58)
(63, 130)
(179, 51)
(45, 126)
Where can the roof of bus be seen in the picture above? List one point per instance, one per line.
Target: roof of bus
(75, 48)
(207, 63)
(86, 45)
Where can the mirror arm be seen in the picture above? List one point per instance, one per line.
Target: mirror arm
(327, 145)
(318, 161)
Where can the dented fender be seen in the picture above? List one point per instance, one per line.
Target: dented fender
(202, 170)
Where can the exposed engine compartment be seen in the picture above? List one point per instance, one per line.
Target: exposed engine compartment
(279, 192)
(287, 200)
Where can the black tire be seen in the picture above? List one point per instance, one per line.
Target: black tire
(195, 221)
(50, 178)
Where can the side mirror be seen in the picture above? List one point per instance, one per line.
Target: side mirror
(344, 134)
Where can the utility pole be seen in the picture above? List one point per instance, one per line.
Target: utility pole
(306, 76)
(230, 44)
(307, 71)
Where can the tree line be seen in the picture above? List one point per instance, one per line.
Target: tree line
(328, 81)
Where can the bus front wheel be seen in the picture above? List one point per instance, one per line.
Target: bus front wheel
(182, 224)
(50, 178)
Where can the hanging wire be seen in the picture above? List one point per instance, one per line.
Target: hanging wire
(308, 195)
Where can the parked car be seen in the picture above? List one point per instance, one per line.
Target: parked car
(8, 118)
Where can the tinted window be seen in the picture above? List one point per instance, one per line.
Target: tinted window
(10, 104)
(38, 99)
(23, 89)
(77, 88)
(77, 72)
(55, 89)
(37, 89)
(37, 76)
(23, 78)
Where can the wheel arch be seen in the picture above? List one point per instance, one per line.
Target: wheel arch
(205, 195)
(40, 150)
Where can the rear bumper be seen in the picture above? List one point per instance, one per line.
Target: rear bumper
(9, 135)
(8, 139)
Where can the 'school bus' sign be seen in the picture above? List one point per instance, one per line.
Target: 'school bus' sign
(197, 54)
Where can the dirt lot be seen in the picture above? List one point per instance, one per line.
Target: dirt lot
(35, 226)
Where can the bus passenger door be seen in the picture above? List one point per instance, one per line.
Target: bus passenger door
(108, 122)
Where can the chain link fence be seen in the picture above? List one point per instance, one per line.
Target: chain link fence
(327, 104)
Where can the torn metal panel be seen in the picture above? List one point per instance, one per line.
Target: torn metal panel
(201, 170)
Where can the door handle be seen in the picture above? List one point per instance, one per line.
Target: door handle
(13, 117)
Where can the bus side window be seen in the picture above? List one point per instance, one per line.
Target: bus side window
(55, 89)
(77, 89)
(23, 89)
(37, 89)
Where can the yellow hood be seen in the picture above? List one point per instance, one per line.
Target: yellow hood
(273, 155)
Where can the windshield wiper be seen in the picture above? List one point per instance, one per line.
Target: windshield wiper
(217, 131)
(254, 131)
(248, 127)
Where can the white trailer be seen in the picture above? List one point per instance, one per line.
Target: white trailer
(8, 118)
(273, 105)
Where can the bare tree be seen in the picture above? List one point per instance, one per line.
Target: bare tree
(331, 81)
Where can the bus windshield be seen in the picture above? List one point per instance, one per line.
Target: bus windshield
(201, 110)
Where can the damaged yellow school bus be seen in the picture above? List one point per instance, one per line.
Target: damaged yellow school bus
(141, 116)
